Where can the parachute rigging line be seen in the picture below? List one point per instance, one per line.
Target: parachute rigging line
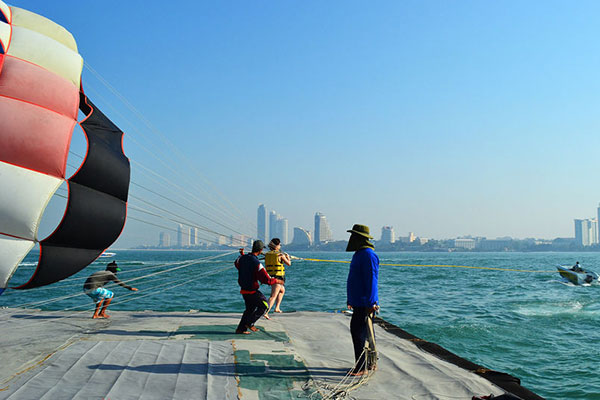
(182, 264)
(129, 297)
(159, 134)
(182, 221)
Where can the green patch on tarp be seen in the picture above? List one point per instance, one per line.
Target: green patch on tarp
(272, 375)
(227, 332)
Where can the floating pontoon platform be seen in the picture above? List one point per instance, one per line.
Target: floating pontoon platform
(195, 355)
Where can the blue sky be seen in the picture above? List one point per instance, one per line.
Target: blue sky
(445, 118)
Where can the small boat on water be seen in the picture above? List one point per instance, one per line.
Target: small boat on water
(107, 254)
(575, 277)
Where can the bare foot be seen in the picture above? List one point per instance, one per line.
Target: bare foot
(96, 316)
(242, 332)
(267, 316)
(359, 373)
(278, 311)
(104, 315)
(253, 329)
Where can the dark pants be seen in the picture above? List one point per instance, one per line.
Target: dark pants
(256, 306)
(363, 335)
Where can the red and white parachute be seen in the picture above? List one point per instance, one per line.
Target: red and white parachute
(40, 95)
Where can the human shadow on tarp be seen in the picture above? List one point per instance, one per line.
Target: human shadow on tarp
(33, 316)
(227, 369)
(120, 332)
(227, 332)
(184, 315)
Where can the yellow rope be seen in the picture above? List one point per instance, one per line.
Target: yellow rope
(437, 266)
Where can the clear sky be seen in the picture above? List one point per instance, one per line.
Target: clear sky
(444, 118)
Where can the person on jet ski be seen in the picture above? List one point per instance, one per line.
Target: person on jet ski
(577, 267)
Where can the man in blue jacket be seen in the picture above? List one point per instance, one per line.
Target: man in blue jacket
(363, 298)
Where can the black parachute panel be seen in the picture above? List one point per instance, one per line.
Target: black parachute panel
(97, 204)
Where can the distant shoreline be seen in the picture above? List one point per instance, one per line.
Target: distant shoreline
(378, 250)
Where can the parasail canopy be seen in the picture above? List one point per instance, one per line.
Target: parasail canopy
(40, 95)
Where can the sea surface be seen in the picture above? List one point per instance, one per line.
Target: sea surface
(529, 324)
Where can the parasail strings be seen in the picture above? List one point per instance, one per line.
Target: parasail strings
(216, 205)
(150, 289)
(158, 133)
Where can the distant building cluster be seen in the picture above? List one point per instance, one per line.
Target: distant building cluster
(187, 237)
(587, 230)
(270, 225)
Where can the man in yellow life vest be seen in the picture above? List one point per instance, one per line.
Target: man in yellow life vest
(275, 262)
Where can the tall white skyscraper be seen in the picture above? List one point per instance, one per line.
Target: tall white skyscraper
(179, 235)
(164, 240)
(261, 223)
(183, 236)
(282, 230)
(322, 231)
(586, 232)
(598, 223)
(194, 236)
(272, 226)
(387, 235)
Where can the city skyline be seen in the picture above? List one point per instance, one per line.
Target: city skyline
(449, 119)
(586, 233)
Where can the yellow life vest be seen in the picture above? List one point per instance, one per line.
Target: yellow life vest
(274, 266)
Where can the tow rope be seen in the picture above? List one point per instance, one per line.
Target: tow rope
(436, 266)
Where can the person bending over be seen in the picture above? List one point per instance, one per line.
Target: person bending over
(94, 287)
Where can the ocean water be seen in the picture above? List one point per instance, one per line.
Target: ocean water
(531, 325)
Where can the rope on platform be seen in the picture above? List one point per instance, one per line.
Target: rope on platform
(342, 390)
(435, 266)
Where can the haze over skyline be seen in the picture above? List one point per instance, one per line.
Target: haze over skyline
(441, 118)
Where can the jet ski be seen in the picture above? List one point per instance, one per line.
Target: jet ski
(575, 277)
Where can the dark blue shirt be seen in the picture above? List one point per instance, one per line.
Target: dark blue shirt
(362, 279)
(247, 267)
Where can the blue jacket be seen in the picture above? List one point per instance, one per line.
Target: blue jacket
(362, 279)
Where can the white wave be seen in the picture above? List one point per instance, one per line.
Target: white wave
(554, 309)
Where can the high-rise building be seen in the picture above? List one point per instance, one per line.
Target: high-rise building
(598, 223)
(179, 235)
(387, 234)
(164, 240)
(272, 226)
(183, 236)
(261, 223)
(322, 231)
(194, 240)
(586, 232)
(282, 230)
(301, 237)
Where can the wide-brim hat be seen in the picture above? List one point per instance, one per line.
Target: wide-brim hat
(361, 230)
